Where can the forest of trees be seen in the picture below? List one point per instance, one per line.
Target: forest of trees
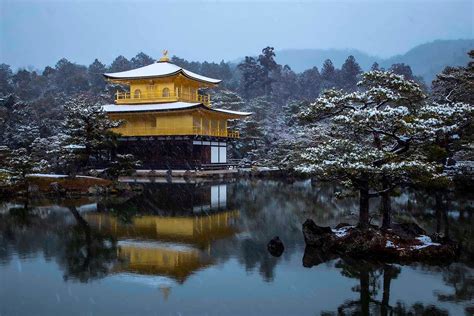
(34, 104)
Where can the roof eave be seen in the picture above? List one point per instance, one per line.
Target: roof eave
(109, 76)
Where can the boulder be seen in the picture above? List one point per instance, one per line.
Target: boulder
(407, 230)
(275, 247)
(317, 236)
(314, 256)
(404, 243)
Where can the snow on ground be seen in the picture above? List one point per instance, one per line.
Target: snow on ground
(425, 242)
(341, 232)
(44, 175)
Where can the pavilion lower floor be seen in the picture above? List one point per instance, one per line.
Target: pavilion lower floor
(176, 152)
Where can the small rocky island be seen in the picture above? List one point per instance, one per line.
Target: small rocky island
(401, 243)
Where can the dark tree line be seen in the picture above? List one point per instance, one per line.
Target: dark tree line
(32, 101)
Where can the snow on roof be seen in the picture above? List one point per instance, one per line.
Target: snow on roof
(159, 69)
(156, 107)
(233, 112)
(149, 107)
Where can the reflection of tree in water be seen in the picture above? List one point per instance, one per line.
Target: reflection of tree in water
(374, 277)
(449, 214)
(443, 212)
(369, 275)
(269, 209)
(79, 250)
(459, 277)
(87, 254)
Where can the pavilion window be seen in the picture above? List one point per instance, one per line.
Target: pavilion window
(166, 92)
(137, 94)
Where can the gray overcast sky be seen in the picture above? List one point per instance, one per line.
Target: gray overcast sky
(39, 33)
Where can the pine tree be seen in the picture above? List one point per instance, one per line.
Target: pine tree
(87, 131)
(455, 84)
(349, 74)
(251, 79)
(268, 65)
(95, 75)
(141, 60)
(328, 75)
(70, 77)
(375, 66)
(378, 135)
(309, 83)
(120, 64)
(6, 76)
(20, 164)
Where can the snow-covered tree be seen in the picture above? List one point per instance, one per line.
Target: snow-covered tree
(123, 165)
(377, 135)
(452, 85)
(21, 126)
(48, 151)
(87, 130)
(455, 84)
(20, 163)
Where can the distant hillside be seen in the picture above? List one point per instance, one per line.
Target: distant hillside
(429, 59)
(426, 60)
(301, 59)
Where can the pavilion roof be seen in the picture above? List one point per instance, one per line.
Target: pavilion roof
(162, 107)
(159, 69)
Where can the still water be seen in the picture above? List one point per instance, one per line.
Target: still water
(200, 249)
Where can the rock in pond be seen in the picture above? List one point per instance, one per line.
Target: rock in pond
(403, 243)
(275, 247)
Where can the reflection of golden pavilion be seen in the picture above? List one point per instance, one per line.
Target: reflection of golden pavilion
(161, 260)
(169, 246)
(196, 230)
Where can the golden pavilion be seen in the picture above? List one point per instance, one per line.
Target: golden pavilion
(168, 121)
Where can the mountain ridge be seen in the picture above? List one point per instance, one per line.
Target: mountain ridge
(426, 60)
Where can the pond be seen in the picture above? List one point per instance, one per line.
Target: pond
(200, 249)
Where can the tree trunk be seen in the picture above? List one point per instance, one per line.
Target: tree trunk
(364, 204)
(386, 293)
(439, 211)
(364, 291)
(386, 205)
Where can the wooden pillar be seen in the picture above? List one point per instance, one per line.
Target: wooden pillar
(201, 125)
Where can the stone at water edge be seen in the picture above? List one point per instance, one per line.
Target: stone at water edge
(275, 247)
(315, 235)
(405, 243)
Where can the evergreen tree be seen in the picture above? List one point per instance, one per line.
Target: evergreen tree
(455, 84)
(268, 66)
(6, 76)
(120, 64)
(375, 66)
(21, 126)
(349, 74)
(141, 60)
(402, 69)
(328, 75)
(378, 136)
(70, 78)
(95, 75)
(284, 86)
(251, 79)
(309, 83)
(20, 164)
(87, 129)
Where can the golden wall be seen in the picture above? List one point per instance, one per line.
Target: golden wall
(182, 123)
